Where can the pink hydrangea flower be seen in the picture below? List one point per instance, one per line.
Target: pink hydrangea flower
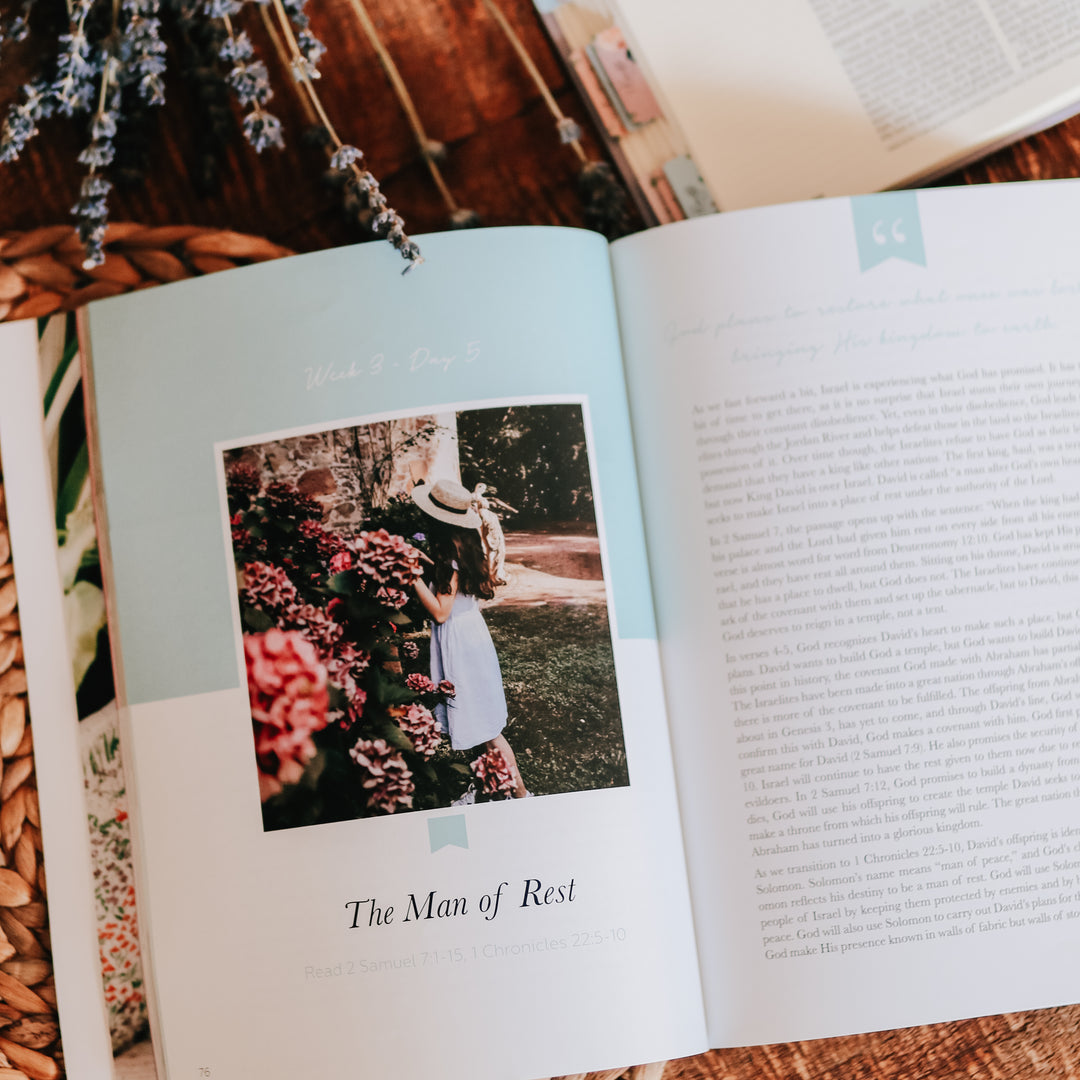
(289, 701)
(243, 481)
(420, 683)
(388, 779)
(446, 687)
(410, 649)
(493, 772)
(326, 543)
(340, 562)
(386, 558)
(395, 598)
(347, 659)
(418, 723)
(267, 586)
(313, 622)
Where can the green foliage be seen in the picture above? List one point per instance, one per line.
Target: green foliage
(533, 457)
(559, 675)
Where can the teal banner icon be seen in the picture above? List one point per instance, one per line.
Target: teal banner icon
(888, 225)
(447, 832)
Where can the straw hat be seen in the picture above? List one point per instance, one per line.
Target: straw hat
(449, 501)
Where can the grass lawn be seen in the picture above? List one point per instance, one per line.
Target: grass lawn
(559, 676)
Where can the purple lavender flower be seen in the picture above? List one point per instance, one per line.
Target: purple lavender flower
(141, 51)
(223, 9)
(311, 52)
(237, 49)
(91, 213)
(77, 66)
(263, 130)
(101, 150)
(295, 10)
(20, 124)
(345, 156)
(251, 83)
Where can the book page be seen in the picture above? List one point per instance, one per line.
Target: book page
(400, 758)
(856, 427)
(93, 692)
(806, 98)
(57, 786)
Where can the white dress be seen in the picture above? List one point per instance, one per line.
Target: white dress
(462, 651)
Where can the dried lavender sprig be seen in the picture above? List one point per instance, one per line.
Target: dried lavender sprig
(16, 28)
(91, 211)
(386, 221)
(20, 124)
(91, 214)
(141, 51)
(312, 51)
(429, 148)
(356, 211)
(569, 132)
(604, 196)
(78, 65)
(310, 48)
(249, 80)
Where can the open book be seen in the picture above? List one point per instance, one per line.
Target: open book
(796, 99)
(788, 640)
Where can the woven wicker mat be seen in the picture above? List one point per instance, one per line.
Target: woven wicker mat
(28, 1028)
(41, 271)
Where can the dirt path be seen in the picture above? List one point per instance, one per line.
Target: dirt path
(548, 568)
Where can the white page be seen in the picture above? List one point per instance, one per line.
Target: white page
(30, 509)
(795, 99)
(252, 930)
(881, 803)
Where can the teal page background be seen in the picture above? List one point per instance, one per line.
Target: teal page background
(179, 368)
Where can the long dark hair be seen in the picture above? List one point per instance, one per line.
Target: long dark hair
(451, 544)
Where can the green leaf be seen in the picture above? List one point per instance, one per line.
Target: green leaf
(71, 349)
(388, 691)
(395, 736)
(257, 621)
(68, 498)
(343, 584)
(362, 610)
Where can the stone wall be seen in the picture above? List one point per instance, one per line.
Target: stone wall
(351, 471)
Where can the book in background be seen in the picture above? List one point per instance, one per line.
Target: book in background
(803, 99)
(645, 143)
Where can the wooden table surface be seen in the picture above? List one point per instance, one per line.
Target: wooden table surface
(504, 159)
(505, 162)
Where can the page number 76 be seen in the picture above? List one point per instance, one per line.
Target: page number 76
(204, 1070)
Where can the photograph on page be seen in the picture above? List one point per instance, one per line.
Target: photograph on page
(423, 612)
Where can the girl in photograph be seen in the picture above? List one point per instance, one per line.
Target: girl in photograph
(465, 543)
